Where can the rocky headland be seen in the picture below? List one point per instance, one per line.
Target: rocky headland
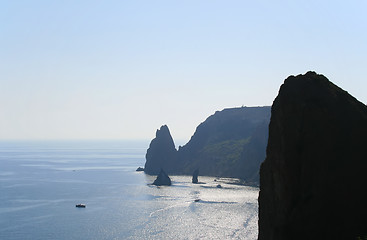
(230, 143)
(313, 183)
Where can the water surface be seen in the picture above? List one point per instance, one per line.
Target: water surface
(40, 183)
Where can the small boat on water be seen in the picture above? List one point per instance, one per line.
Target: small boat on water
(80, 205)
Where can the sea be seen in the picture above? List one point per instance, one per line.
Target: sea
(42, 181)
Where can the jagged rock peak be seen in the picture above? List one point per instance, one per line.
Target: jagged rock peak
(163, 132)
(161, 152)
(313, 181)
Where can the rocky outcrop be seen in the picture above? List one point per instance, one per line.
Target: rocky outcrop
(162, 179)
(230, 143)
(162, 153)
(313, 181)
(195, 176)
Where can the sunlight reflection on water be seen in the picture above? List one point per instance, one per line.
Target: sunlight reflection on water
(38, 199)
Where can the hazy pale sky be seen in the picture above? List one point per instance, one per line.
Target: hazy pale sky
(121, 69)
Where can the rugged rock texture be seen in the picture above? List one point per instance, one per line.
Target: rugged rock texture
(313, 181)
(162, 179)
(162, 153)
(230, 143)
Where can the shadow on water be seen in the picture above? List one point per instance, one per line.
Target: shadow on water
(215, 202)
(216, 187)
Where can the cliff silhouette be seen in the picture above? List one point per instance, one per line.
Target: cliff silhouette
(161, 153)
(230, 143)
(313, 181)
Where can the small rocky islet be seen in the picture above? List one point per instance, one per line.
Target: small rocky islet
(162, 179)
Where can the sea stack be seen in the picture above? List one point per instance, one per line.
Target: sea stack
(161, 153)
(162, 179)
(195, 176)
(313, 183)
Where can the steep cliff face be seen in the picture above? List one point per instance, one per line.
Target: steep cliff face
(227, 144)
(254, 154)
(162, 153)
(313, 181)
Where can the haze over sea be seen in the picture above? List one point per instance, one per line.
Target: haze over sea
(40, 183)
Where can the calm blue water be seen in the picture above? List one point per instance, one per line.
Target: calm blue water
(40, 183)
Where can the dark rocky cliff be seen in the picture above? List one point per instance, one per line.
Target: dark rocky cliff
(227, 144)
(230, 143)
(162, 153)
(313, 183)
(254, 154)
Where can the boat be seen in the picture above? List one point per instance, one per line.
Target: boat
(80, 205)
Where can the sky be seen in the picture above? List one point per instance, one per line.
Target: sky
(111, 69)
